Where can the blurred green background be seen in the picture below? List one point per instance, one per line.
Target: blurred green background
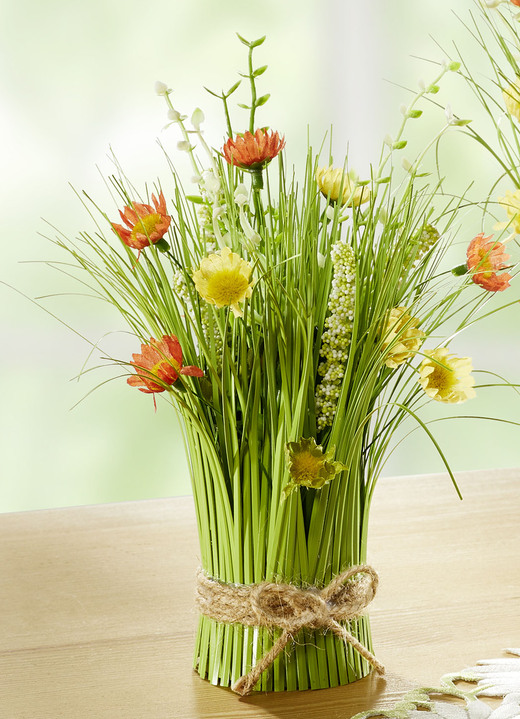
(77, 79)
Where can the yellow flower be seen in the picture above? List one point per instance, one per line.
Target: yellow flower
(512, 99)
(309, 465)
(223, 280)
(401, 338)
(446, 378)
(331, 180)
(511, 204)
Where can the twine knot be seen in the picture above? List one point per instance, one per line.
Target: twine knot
(290, 608)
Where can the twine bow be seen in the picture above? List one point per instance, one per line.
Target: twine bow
(291, 609)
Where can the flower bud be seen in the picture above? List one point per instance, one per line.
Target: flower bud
(197, 118)
(329, 212)
(449, 113)
(241, 195)
(452, 120)
(161, 88)
(218, 210)
(211, 182)
(173, 115)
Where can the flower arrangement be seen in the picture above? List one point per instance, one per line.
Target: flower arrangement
(298, 325)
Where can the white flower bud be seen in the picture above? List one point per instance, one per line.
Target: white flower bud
(173, 115)
(406, 164)
(388, 141)
(452, 120)
(183, 146)
(161, 88)
(241, 195)
(321, 260)
(330, 212)
(211, 182)
(255, 239)
(218, 210)
(403, 109)
(197, 118)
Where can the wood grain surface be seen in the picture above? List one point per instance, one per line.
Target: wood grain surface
(97, 619)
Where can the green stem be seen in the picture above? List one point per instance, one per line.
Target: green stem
(253, 91)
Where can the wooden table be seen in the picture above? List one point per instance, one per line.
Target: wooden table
(98, 621)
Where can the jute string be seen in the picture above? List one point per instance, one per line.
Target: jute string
(290, 609)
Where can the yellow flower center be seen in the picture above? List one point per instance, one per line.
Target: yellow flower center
(227, 287)
(442, 378)
(485, 266)
(146, 225)
(305, 467)
(446, 378)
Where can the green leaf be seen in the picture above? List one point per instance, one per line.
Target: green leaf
(459, 270)
(195, 199)
(399, 145)
(245, 107)
(212, 93)
(243, 40)
(414, 114)
(162, 245)
(460, 123)
(233, 88)
(259, 71)
(262, 100)
(257, 43)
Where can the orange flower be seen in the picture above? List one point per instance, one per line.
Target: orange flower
(252, 152)
(484, 259)
(515, 2)
(159, 365)
(146, 224)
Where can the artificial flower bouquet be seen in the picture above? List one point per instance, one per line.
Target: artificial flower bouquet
(295, 325)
